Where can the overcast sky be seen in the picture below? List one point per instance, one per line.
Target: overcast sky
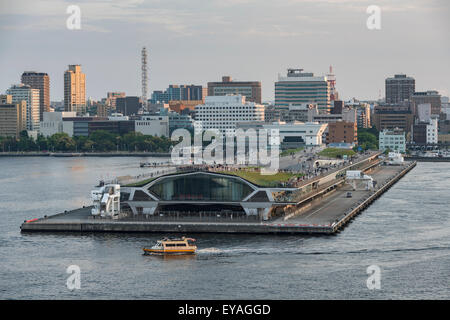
(196, 41)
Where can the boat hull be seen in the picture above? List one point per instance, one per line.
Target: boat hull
(169, 252)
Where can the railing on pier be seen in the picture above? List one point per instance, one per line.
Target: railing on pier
(188, 216)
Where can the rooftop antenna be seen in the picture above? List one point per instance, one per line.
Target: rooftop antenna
(144, 77)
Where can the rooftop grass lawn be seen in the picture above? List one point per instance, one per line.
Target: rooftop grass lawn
(259, 179)
(336, 153)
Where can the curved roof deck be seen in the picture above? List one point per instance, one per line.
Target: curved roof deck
(253, 177)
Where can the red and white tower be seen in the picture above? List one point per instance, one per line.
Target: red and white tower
(331, 78)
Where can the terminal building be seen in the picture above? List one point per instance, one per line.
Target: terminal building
(203, 193)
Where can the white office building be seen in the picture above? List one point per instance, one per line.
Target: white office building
(432, 130)
(292, 134)
(394, 140)
(52, 123)
(152, 125)
(224, 112)
(24, 92)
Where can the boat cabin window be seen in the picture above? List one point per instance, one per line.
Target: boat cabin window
(175, 245)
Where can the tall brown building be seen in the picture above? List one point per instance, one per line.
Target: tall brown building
(250, 89)
(75, 89)
(391, 116)
(41, 81)
(13, 116)
(399, 88)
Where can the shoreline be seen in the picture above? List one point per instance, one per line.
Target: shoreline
(84, 154)
(428, 159)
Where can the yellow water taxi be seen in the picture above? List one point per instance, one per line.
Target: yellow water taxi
(172, 246)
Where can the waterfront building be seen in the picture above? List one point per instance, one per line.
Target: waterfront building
(68, 122)
(52, 122)
(399, 88)
(292, 135)
(299, 87)
(119, 127)
(40, 81)
(13, 116)
(426, 132)
(153, 125)
(224, 112)
(394, 140)
(75, 89)
(250, 89)
(432, 97)
(24, 92)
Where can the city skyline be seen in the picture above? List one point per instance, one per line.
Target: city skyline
(199, 43)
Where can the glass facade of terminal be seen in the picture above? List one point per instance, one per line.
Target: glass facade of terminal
(201, 186)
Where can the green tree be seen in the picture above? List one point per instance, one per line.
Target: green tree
(368, 138)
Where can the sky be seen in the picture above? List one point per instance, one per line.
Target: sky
(197, 41)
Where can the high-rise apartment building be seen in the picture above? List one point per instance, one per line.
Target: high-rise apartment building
(41, 81)
(13, 116)
(224, 112)
(75, 89)
(24, 92)
(299, 87)
(399, 88)
(250, 89)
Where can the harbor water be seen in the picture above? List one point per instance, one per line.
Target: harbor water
(406, 233)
